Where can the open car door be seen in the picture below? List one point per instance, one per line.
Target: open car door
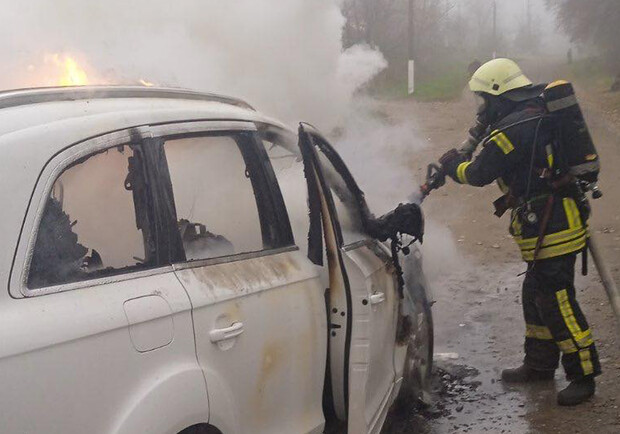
(365, 363)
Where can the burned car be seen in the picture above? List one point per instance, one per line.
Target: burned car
(155, 283)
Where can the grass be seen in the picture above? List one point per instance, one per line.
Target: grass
(446, 83)
(593, 76)
(591, 73)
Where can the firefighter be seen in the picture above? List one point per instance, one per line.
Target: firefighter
(547, 222)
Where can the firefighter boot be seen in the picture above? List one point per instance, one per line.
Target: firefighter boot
(525, 374)
(577, 391)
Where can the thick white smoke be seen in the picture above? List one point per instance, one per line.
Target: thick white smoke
(285, 57)
(379, 153)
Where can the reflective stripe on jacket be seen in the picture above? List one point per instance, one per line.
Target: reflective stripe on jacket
(565, 234)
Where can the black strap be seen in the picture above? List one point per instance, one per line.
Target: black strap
(584, 259)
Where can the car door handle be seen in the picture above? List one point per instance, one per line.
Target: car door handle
(233, 331)
(377, 298)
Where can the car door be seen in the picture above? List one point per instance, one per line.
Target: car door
(363, 297)
(258, 304)
(97, 336)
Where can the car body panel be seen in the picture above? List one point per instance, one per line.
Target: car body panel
(135, 352)
(362, 289)
(375, 310)
(110, 346)
(73, 350)
(279, 301)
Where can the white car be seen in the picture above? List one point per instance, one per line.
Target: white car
(154, 284)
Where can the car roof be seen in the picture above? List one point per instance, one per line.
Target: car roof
(27, 108)
(18, 97)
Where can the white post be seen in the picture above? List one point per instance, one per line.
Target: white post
(411, 76)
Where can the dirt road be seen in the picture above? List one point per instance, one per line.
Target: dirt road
(478, 320)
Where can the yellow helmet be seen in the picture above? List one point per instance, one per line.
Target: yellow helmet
(498, 76)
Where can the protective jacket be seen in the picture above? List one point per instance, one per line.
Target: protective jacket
(517, 155)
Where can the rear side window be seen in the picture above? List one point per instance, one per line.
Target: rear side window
(223, 200)
(90, 226)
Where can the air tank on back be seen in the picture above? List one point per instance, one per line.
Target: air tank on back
(574, 139)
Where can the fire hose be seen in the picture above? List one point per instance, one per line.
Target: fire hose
(436, 178)
(606, 278)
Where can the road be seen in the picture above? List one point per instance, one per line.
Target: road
(474, 268)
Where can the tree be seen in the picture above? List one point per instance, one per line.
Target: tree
(384, 24)
(592, 21)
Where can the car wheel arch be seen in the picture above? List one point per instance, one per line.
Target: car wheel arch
(151, 408)
(201, 428)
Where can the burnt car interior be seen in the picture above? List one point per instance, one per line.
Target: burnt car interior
(239, 211)
(142, 205)
(98, 205)
(165, 200)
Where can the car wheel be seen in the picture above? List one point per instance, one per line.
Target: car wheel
(419, 361)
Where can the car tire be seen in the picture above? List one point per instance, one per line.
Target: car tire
(201, 429)
(417, 372)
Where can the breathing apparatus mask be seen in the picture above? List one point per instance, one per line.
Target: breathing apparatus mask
(493, 108)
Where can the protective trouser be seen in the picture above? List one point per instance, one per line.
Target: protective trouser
(554, 321)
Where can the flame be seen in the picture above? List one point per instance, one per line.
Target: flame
(146, 83)
(70, 72)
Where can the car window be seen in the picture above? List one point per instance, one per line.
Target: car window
(349, 213)
(88, 228)
(215, 195)
(290, 173)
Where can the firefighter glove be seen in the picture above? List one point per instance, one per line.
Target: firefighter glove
(450, 161)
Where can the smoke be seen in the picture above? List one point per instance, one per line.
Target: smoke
(379, 152)
(286, 58)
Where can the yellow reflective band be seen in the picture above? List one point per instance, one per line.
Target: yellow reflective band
(567, 346)
(538, 332)
(502, 141)
(549, 150)
(556, 83)
(460, 172)
(572, 213)
(578, 335)
(552, 239)
(585, 339)
(586, 361)
(557, 250)
(562, 249)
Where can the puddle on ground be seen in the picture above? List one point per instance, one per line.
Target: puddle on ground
(461, 404)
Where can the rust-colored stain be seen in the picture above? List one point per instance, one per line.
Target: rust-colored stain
(271, 361)
(247, 276)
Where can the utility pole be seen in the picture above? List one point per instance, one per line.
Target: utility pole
(411, 49)
(494, 29)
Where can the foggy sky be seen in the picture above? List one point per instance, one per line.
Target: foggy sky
(513, 13)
